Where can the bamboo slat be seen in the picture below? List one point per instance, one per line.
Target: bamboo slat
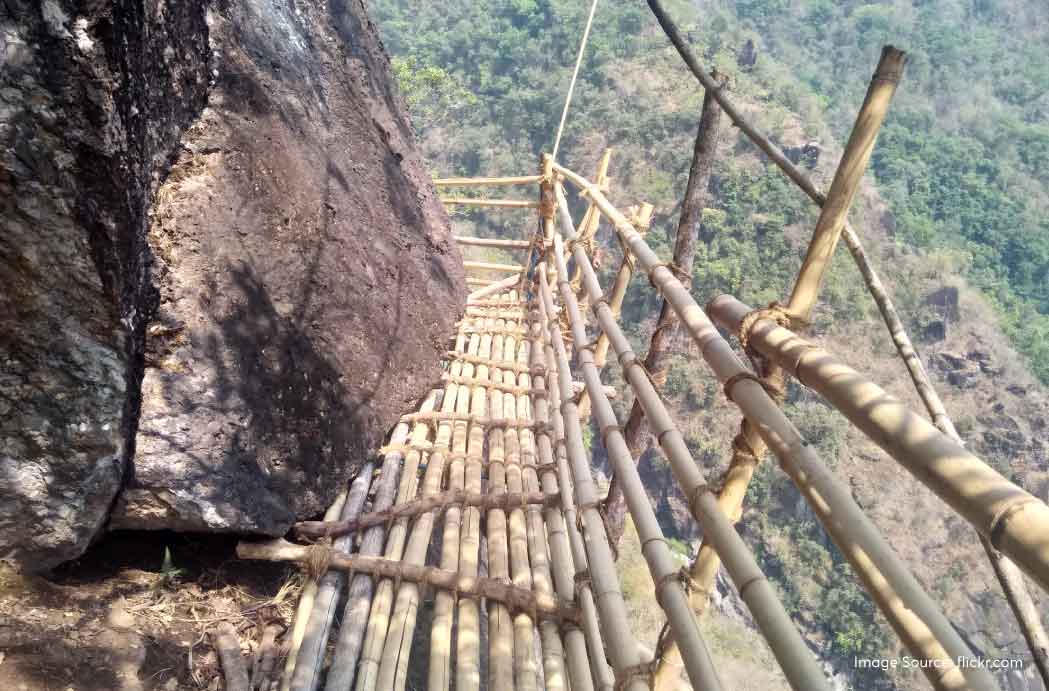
(492, 266)
(490, 182)
(493, 288)
(493, 242)
(500, 203)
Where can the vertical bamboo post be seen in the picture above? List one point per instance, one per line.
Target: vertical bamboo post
(311, 653)
(567, 552)
(307, 598)
(622, 648)
(847, 181)
(358, 597)
(587, 230)
(669, 593)
(636, 429)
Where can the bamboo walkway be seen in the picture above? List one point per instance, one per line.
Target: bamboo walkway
(475, 552)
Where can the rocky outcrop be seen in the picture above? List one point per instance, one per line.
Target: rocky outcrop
(220, 344)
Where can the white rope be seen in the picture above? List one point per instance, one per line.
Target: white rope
(575, 74)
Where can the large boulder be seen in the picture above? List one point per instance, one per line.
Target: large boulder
(228, 270)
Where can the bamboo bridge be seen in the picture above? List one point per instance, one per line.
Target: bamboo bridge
(477, 543)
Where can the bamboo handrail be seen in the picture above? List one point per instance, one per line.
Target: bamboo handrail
(1016, 522)
(500, 203)
(486, 182)
(669, 592)
(418, 574)
(622, 647)
(492, 266)
(492, 242)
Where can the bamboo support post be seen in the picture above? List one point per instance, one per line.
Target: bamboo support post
(588, 228)
(669, 591)
(925, 631)
(567, 553)
(305, 606)
(314, 643)
(416, 575)
(1016, 522)
(486, 182)
(500, 203)
(224, 638)
(359, 595)
(622, 647)
(492, 242)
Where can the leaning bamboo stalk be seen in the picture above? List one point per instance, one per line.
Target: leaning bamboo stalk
(500, 626)
(393, 666)
(492, 289)
(382, 601)
(526, 674)
(559, 548)
(440, 668)
(305, 606)
(1016, 522)
(501, 203)
(468, 634)
(416, 574)
(926, 632)
(314, 643)
(600, 670)
(492, 242)
(551, 645)
(589, 225)
(487, 182)
(669, 592)
(359, 595)
(790, 650)
(622, 646)
(666, 329)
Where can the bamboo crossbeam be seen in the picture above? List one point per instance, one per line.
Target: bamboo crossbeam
(493, 242)
(567, 552)
(927, 633)
(438, 502)
(500, 203)
(669, 592)
(484, 422)
(487, 182)
(511, 596)
(493, 288)
(537, 370)
(1016, 522)
(622, 647)
(492, 266)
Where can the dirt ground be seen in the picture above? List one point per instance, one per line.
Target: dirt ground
(120, 619)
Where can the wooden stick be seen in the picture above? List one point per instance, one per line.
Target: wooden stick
(493, 288)
(265, 657)
(491, 266)
(488, 182)
(306, 600)
(502, 203)
(518, 599)
(493, 242)
(224, 638)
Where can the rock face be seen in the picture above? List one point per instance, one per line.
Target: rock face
(228, 270)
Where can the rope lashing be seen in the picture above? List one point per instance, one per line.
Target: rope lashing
(679, 273)
(318, 558)
(643, 671)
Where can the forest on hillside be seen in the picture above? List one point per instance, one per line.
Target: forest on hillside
(958, 196)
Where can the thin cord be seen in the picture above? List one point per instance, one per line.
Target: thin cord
(575, 73)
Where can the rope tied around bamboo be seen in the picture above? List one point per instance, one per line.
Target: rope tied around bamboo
(772, 378)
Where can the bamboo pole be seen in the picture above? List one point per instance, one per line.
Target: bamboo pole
(622, 647)
(526, 674)
(922, 627)
(563, 563)
(1016, 522)
(493, 288)
(486, 182)
(501, 203)
(492, 266)
(669, 592)
(314, 643)
(382, 602)
(468, 635)
(500, 627)
(362, 587)
(416, 575)
(492, 242)
(588, 229)
(306, 600)
(393, 666)
(666, 329)
(440, 669)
